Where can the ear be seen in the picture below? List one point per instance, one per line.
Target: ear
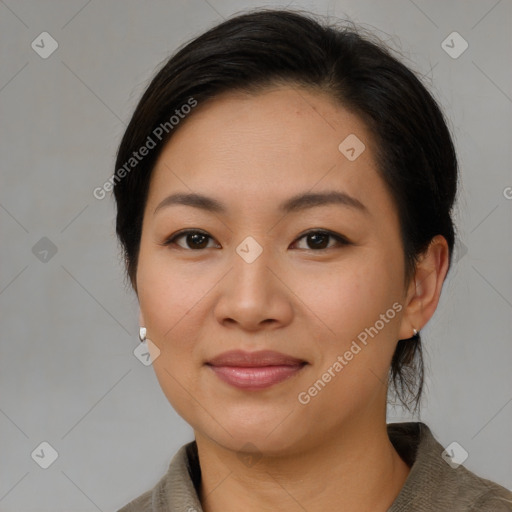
(425, 288)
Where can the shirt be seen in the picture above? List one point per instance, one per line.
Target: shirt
(433, 484)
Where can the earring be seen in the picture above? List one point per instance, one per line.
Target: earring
(142, 334)
(415, 332)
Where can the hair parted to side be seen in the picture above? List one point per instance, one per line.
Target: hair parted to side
(258, 49)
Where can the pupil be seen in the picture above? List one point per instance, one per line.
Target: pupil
(193, 239)
(316, 237)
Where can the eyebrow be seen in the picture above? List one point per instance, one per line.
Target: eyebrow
(294, 204)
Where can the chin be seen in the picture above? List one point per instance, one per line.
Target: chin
(259, 443)
(273, 435)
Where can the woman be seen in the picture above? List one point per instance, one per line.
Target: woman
(284, 194)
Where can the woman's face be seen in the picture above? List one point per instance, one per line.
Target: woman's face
(254, 280)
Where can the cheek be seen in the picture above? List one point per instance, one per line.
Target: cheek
(349, 298)
(359, 326)
(356, 304)
(167, 298)
(167, 295)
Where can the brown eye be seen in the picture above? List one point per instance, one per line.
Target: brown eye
(315, 240)
(319, 240)
(195, 240)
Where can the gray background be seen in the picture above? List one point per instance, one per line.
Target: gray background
(69, 323)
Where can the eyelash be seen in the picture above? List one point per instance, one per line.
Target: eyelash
(342, 241)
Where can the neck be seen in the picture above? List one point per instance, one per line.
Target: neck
(357, 467)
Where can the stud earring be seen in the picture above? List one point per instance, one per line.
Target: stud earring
(142, 334)
(415, 333)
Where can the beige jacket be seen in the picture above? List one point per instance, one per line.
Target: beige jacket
(433, 485)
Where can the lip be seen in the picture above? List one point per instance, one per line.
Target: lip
(241, 358)
(255, 370)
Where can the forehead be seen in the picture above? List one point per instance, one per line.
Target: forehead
(268, 146)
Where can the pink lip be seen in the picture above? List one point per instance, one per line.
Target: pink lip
(254, 370)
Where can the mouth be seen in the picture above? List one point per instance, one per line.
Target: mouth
(255, 370)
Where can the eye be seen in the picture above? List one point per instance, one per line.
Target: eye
(319, 239)
(197, 240)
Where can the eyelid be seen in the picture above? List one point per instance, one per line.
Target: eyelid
(183, 232)
(341, 239)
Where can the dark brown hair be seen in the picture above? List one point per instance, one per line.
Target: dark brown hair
(248, 52)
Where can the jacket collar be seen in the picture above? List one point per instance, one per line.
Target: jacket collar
(179, 488)
(432, 484)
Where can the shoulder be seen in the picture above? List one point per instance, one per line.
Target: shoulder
(495, 499)
(140, 504)
(435, 483)
(480, 494)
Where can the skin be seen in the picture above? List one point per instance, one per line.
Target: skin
(252, 152)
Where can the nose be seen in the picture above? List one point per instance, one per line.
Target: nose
(253, 295)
